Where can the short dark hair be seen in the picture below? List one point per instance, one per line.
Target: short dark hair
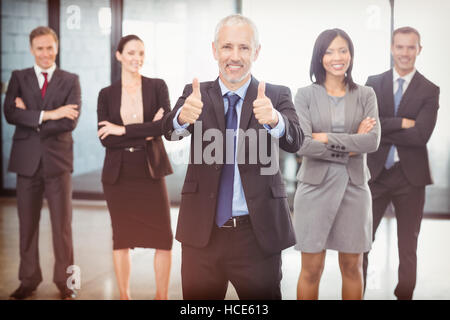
(124, 40)
(321, 45)
(405, 30)
(42, 31)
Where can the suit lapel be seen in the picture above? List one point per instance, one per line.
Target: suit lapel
(351, 103)
(53, 85)
(215, 94)
(387, 85)
(34, 86)
(116, 101)
(247, 111)
(409, 93)
(247, 105)
(146, 99)
(323, 107)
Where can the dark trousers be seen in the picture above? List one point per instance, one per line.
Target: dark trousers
(392, 186)
(30, 193)
(234, 255)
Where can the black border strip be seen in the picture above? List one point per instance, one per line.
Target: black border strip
(54, 14)
(116, 34)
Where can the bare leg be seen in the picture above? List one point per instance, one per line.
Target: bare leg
(122, 267)
(309, 279)
(352, 275)
(162, 263)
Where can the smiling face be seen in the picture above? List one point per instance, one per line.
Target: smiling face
(336, 59)
(44, 49)
(132, 56)
(235, 52)
(405, 48)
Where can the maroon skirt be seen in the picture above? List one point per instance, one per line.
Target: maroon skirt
(139, 206)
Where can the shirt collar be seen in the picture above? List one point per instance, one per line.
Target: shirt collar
(38, 70)
(241, 92)
(407, 77)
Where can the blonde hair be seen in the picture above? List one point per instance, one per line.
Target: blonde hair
(42, 31)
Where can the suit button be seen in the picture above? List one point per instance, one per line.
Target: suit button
(289, 139)
(333, 155)
(343, 148)
(333, 146)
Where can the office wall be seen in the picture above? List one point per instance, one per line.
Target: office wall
(18, 18)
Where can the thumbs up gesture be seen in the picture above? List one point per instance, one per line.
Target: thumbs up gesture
(263, 108)
(193, 105)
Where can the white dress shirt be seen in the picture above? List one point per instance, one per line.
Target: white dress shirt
(41, 79)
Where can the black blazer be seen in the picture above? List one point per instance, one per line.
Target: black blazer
(420, 102)
(265, 194)
(155, 95)
(52, 140)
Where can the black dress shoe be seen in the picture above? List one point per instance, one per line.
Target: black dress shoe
(22, 292)
(67, 294)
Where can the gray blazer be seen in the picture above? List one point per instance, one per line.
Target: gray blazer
(312, 106)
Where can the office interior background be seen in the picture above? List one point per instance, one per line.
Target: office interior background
(178, 35)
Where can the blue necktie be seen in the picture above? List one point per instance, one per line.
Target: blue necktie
(397, 98)
(225, 198)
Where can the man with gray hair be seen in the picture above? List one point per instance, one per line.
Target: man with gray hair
(234, 219)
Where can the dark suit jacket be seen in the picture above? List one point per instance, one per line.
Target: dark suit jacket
(155, 95)
(52, 140)
(420, 102)
(265, 194)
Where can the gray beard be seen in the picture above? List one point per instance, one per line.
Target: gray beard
(234, 80)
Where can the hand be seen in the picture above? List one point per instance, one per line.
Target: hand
(110, 129)
(20, 104)
(408, 123)
(193, 105)
(69, 111)
(366, 125)
(320, 136)
(158, 115)
(263, 108)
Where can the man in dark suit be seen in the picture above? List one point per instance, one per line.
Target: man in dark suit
(234, 218)
(43, 103)
(408, 105)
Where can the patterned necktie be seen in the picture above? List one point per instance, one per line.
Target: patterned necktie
(225, 198)
(44, 87)
(397, 98)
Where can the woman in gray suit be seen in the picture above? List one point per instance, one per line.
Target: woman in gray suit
(332, 205)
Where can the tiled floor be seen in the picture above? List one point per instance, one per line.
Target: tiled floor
(92, 241)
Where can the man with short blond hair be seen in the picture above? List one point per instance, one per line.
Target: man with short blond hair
(43, 103)
(408, 104)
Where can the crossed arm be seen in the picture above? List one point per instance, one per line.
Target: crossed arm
(50, 122)
(337, 147)
(117, 136)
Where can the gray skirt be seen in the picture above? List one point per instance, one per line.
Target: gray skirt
(335, 214)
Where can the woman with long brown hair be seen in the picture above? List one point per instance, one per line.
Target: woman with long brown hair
(129, 116)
